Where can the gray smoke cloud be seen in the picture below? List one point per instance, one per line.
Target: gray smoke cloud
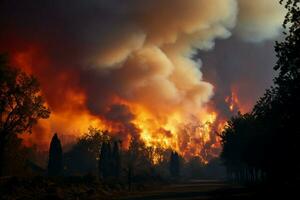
(248, 72)
(93, 55)
(259, 20)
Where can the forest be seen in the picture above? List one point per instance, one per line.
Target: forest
(259, 149)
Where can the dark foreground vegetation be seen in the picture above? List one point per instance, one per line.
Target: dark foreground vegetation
(264, 145)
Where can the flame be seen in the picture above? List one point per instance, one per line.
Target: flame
(189, 135)
(233, 101)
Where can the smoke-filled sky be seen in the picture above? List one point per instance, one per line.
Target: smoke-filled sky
(143, 68)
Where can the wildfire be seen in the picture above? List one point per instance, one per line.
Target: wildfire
(135, 77)
(189, 135)
(233, 101)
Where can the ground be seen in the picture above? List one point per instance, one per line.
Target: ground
(88, 188)
(216, 190)
(191, 190)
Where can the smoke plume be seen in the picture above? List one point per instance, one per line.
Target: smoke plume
(129, 66)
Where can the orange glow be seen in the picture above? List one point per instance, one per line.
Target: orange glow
(189, 135)
(233, 101)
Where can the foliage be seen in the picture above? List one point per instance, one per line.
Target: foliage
(83, 157)
(262, 145)
(21, 104)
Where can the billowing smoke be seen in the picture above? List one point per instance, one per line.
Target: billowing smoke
(129, 66)
(246, 73)
(259, 20)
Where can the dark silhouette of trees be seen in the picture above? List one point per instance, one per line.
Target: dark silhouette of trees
(241, 146)
(139, 162)
(110, 160)
(21, 104)
(263, 145)
(105, 161)
(174, 164)
(133, 154)
(55, 163)
(83, 157)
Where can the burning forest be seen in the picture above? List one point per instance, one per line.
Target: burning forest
(129, 68)
(169, 74)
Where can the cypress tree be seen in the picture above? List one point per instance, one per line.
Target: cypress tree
(174, 164)
(55, 163)
(116, 159)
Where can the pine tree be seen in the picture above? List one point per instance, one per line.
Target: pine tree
(116, 160)
(55, 165)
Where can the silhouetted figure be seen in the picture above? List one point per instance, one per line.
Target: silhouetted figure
(174, 164)
(55, 164)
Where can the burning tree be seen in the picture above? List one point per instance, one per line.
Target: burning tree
(55, 164)
(21, 105)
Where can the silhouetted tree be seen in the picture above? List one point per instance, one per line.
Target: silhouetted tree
(21, 104)
(278, 110)
(174, 164)
(132, 159)
(116, 160)
(239, 139)
(55, 163)
(263, 145)
(138, 161)
(83, 157)
(105, 167)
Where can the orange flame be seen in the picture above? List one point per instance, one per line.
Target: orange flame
(70, 118)
(233, 101)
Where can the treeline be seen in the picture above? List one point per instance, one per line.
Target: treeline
(95, 153)
(263, 145)
(98, 154)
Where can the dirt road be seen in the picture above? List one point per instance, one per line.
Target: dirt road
(193, 190)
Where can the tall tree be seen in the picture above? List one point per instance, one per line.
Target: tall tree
(21, 104)
(266, 140)
(116, 160)
(279, 108)
(55, 163)
(83, 157)
(133, 157)
(174, 164)
(105, 160)
(288, 83)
